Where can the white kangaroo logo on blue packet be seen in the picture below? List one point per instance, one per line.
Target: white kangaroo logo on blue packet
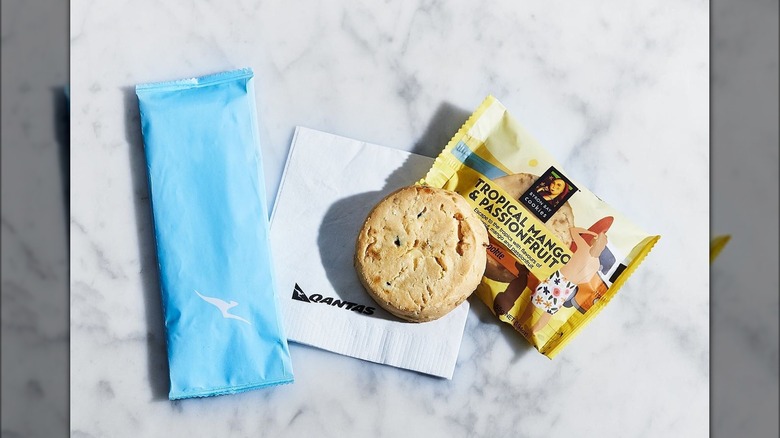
(223, 306)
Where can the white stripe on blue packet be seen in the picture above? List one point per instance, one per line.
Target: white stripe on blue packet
(223, 325)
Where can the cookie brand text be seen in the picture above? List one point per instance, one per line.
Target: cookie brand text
(509, 222)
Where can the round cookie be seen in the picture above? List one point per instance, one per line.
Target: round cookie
(515, 185)
(421, 252)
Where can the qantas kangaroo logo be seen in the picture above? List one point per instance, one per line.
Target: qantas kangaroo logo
(299, 295)
(223, 306)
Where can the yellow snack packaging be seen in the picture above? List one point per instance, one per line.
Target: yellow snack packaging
(557, 252)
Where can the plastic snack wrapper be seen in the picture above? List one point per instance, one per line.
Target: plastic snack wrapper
(557, 253)
(222, 319)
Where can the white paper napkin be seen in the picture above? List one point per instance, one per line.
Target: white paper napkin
(329, 185)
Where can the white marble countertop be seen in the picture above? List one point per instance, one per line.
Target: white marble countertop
(617, 90)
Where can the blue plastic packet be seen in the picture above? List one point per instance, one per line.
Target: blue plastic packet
(223, 325)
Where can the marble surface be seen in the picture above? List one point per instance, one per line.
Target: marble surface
(618, 91)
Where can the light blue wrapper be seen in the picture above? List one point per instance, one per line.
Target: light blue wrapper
(223, 325)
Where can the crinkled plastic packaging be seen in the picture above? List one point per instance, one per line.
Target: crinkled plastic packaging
(558, 254)
(223, 326)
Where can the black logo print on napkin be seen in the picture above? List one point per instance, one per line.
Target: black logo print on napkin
(299, 295)
(548, 194)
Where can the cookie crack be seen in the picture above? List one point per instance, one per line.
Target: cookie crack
(459, 247)
(442, 265)
(397, 276)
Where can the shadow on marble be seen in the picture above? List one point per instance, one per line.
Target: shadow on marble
(61, 127)
(519, 344)
(445, 122)
(157, 360)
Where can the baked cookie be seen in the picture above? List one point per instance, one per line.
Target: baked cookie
(515, 185)
(421, 252)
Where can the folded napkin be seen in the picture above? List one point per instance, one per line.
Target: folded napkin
(328, 187)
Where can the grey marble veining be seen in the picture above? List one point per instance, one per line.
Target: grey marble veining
(618, 91)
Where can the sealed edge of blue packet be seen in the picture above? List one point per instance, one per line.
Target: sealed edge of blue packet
(222, 317)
